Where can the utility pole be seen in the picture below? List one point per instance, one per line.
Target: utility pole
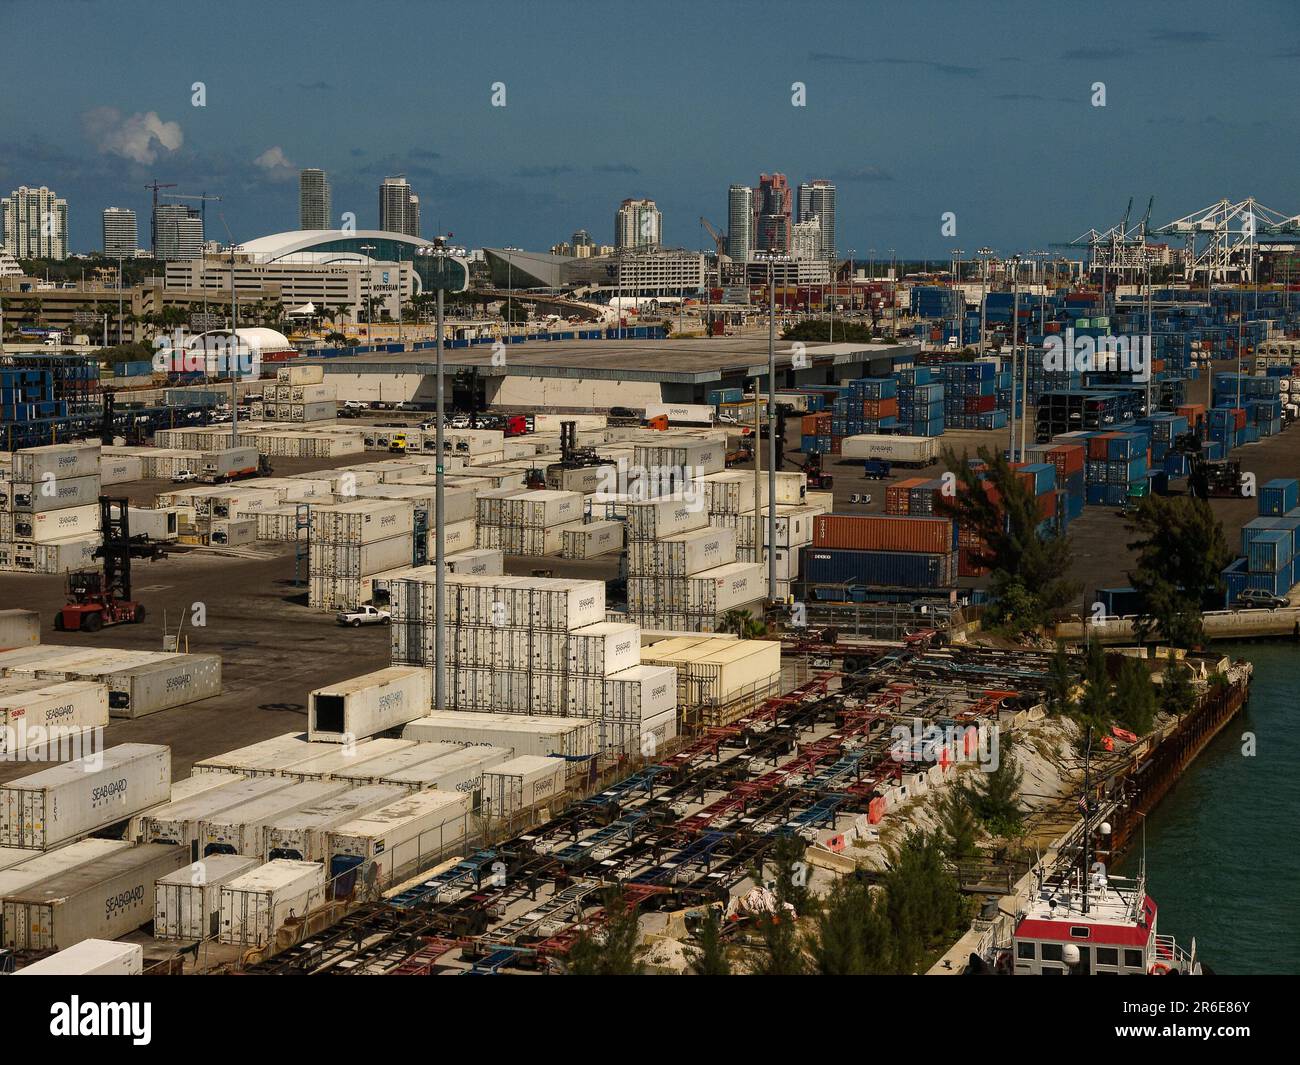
(984, 254)
(771, 434)
(232, 353)
(1015, 333)
(440, 541)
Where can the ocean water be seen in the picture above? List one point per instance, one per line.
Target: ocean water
(1222, 849)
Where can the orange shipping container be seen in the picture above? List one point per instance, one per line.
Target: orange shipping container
(880, 408)
(1097, 445)
(883, 532)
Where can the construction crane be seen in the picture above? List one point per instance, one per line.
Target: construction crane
(153, 216)
(203, 199)
(1120, 248)
(1230, 231)
(718, 239)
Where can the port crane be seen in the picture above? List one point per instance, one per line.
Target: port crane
(1120, 248)
(1229, 231)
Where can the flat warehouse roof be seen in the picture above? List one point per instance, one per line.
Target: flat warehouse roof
(686, 361)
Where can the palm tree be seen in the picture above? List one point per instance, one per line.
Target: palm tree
(743, 624)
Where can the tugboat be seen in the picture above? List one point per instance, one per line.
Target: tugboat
(1082, 921)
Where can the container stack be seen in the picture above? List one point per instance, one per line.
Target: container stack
(349, 542)
(1270, 544)
(1116, 468)
(870, 406)
(873, 551)
(682, 572)
(49, 509)
(920, 402)
(521, 645)
(718, 681)
(299, 395)
(970, 399)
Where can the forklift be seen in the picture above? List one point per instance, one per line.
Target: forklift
(572, 457)
(817, 477)
(97, 598)
(1209, 478)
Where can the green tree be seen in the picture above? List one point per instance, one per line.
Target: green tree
(1134, 700)
(709, 958)
(1027, 571)
(853, 936)
(1061, 682)
(1177, 693)
(1094, 704)
(924, 904)
(957, 826)
(743, 624)
(614, 950)
(995, 799)
(1180, 552)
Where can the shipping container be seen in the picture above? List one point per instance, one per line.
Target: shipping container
(367, 705)
(48, 864)
(19, 628)
(90, 957)
(166, 681)
(681, 413)
(60, 461)
(239, 829)
(903, 450)
(682, 554)
(460, 771)
(336, 757)
(654, 519)
(521, 783)
(400, 839)
(592, 539)
(265, 756)
(77, 704)
(883, 532)
(539, 734)
(302, 834)
(47, 808)
(604, 648)
(103, 900)
(361, 522)
(178, 821)
(39, 497)
(645, 738)
(159, 524)
(187, 902)
(63, 524)
(345, 560)
(380, 770)
(258, 903)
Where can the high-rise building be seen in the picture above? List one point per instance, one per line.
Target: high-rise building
(121, 238)
(740, 222)
(773, 206)
(638, 224)
(35, 223)
(313, 199)
(806, 239)
(179, 231)
(399, 207)
(817, 200)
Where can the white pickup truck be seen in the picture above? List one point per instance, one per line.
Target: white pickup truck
(363, 615)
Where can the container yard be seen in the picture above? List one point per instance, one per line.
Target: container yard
(802, 594)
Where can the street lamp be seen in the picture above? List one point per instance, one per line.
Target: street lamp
(771, 258)
(439, 254)
(370, 294)
(984, 254)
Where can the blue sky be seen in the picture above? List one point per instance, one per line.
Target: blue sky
(913, 109)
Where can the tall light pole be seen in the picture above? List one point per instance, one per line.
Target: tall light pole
(772, 258)
(984, 254)
(439, 254)
(1015, 333)
(370, 293)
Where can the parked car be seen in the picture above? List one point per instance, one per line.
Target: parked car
(353, 404)
(184, 477)
(363, 615)
(622, 412)
(1258, 599)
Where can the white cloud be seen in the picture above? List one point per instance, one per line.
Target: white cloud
(275, 164)
(138, 137)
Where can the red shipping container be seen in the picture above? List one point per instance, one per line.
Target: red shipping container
(808, 425)
(1067, 458)
(1097, 445)
(979, 404)
(897, 498)
(966, 566)
(880, 408)
(879, 532)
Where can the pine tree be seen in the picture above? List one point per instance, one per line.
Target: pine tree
(1134, 701)
(614, 951)
(1061, 681)
(1177, 694)
(958, 826)
(709, 958)
(995, 800)
(924, 905)
(1094, 704)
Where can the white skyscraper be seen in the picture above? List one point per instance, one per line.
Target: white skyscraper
(180, 232)
(740, 222)
(313, 199)
(35, 224)
(121, 237)
(806, 239)
(399, 207)
(817, 199)
(638, 224)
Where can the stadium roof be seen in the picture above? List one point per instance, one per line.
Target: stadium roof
(330, 245)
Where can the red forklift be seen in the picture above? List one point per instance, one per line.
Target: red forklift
(817, 477)
(97, 598)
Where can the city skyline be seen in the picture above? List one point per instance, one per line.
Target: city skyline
(902, 129)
